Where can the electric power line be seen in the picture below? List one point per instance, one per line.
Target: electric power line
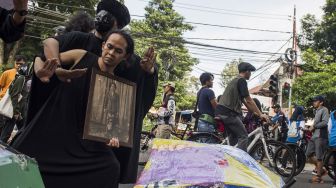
(230, 27)
(238, 40)
(63, 5)
(233, 13)
(230, 10)
(195, 23)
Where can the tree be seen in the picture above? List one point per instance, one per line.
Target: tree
(319, 79)
(229, 72)
(318, 43)
(42, 18)
(163, 29)
(320, 35)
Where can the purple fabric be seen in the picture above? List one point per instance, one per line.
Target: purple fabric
(194, 165)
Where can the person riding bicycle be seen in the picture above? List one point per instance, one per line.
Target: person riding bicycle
(206, 104)
(166, 113)
(280, 120)
(229, 108)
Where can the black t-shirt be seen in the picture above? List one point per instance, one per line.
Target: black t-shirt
(80, 40)
(242, 88)
(204, 104)
(9, 32)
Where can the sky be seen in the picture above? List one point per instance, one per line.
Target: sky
(259, 14)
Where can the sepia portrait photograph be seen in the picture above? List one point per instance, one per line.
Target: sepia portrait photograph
(110, 109)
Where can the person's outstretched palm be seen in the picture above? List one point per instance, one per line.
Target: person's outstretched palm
(47, 71)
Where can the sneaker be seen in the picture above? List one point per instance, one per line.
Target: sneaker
(314, 172)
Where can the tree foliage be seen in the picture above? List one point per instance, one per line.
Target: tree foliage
(229, 72)
(319, 79)
(318, 43)
(163, 28)
(320, 35)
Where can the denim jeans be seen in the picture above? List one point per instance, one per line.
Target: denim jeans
(203, 126)
(237, 131)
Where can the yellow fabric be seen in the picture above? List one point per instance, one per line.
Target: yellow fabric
(242, 174)
(5, 80)
(275, 178)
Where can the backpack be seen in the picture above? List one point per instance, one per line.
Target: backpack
(293, 132)
(332, 132)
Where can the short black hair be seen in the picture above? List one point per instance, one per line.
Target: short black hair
(20, 58)
(127, 37)
(80, 21)
(206, 77)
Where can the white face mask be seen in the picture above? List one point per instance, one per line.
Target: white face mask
(24, 68)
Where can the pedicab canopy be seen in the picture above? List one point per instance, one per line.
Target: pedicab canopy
(176, 163)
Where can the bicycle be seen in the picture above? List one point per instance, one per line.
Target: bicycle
(272, 154)
(298, 148)
(329, 162)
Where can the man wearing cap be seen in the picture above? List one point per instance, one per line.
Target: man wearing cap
(319, 142)
(230, 104)
(281, 121)
(166, 112)
(111, 15)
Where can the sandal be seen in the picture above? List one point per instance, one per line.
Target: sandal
(317, 180)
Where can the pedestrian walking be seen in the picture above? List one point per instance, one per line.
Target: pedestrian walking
(319, 142)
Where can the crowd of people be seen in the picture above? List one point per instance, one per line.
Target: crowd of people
(56, 101)
(49, 99)
(228, 108)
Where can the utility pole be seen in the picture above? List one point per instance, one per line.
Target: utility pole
(294, 47)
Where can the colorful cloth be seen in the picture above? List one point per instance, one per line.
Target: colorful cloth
(176, 163)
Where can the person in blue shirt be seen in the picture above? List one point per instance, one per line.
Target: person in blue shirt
(281, 121)
(206, 104)
(296, 125)
(332, 138)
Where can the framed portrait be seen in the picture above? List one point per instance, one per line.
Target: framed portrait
(111, 109)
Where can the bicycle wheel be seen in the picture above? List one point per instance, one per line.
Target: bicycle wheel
(282, 159)
(300, 157)
(145, 143)
(328, 162)
(207, 138)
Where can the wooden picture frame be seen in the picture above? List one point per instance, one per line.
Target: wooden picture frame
(110, 109)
